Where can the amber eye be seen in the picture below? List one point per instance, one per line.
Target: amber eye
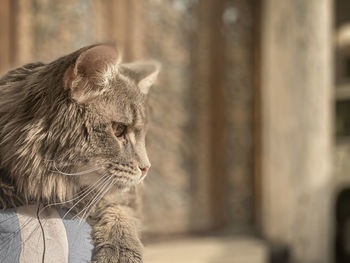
(119, 129)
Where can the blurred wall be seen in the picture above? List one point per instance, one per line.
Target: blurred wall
(200, 139)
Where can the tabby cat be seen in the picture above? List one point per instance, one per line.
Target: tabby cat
(72, 133)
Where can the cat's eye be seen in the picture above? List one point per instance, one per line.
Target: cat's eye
(119, 129)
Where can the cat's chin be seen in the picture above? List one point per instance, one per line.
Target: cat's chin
(123, 184)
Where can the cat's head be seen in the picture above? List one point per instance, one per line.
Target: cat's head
(112, 96)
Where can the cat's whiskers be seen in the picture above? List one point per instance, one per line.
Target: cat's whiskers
(97, 198)
(91, 186)
(78, 173)
(62, 163)
(56, 169)
(102, 187)
(91, 190)
(101, 195)
(81, 193)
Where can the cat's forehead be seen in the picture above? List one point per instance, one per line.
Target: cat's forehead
(132, 114)
(124, 103)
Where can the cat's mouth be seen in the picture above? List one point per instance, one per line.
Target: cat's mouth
(143, 174)
(123, 175)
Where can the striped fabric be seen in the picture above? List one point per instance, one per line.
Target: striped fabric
(55, 238)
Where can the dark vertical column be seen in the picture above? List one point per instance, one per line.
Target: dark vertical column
(208, 66)
(238, 88)
(225, 70)
(257, 115)
(217, 112)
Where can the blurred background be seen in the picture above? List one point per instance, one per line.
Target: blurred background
(250, 119)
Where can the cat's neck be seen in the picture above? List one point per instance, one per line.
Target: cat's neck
(50, 189)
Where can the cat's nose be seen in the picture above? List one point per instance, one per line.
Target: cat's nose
(144, 170)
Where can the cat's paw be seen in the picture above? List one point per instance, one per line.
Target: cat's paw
(106, 254)
(129, 256)
(117, 255)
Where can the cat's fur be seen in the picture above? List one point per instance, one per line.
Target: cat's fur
(58, 139)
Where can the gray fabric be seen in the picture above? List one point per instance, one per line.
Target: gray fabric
(78, 235)
(10, 237)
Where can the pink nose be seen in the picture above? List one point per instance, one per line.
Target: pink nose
(144, 170)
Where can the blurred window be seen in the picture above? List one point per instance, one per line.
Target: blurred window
(342, 68)
(343, 118)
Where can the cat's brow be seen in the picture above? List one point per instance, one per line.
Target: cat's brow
(126, 121)
(139, 125)
(137, 120)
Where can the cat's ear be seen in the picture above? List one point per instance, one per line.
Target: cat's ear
(89, 76)
(145, 73)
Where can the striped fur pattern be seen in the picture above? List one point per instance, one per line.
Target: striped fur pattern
(72, 133)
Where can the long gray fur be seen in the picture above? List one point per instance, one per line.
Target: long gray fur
(72, 133)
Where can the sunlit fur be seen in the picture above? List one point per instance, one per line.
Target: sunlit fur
(56, 140)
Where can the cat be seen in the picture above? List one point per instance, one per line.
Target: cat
(72, 133)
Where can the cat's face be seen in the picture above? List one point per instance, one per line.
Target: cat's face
(113, 96)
